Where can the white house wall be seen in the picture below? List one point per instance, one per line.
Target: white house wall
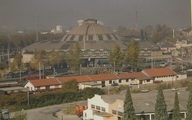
(166, 78)
(29, 86)
(87, 114)
(181, 76)
(95, 103)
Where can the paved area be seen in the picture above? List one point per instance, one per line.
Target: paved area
(49, 112)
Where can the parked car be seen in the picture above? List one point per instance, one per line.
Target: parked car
(133, 83)
(114, 84)
(175, 89)
(144, 90)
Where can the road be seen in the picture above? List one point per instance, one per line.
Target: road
(46, 113)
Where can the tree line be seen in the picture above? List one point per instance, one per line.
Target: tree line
(68, 93)
(73, 58)
(160, 107)
(157, 33)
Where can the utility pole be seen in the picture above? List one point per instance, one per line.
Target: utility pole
(37, 36)
(152, 57)
(28, 97)
(80, 69)
(114, 68)
(39, 70)
(8, 54)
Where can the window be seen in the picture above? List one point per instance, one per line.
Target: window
(110, 81)
(47, 87)
(93, 106)
(120, 113)
(97, 107)
(90, 37)
(38, 88)
(127, 80)
(100, 37)
(103, 109)
(105, 53)
(66, 37)
(72, 37)
(119, 81)
(80, 38)
(85, 114)
(114, 112)
(109, 37)
(115, 36)
(148, 80)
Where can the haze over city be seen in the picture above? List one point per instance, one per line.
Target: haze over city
(22, 13)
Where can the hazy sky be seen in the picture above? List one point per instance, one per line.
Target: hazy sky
(21, 13)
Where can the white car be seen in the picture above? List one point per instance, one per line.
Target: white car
(175, 89)
(144, 90)
(133, 83)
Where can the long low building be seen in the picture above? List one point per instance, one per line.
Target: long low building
(146, 76)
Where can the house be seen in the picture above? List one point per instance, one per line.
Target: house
(42, 84)
(111, 107)
(167, 47)
(146, 76)
(163, 74)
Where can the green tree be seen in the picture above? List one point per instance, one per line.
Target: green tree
(70, 86)
(176, 110)
(160, 106)
(116, 57)
(20, 115)
(132, 54)
(73, 58)
(55, 58)
(129, 110)
(17, 63)
(189, 104)
(38, 57)
(3, 65)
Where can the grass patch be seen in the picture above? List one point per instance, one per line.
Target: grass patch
(70, 110)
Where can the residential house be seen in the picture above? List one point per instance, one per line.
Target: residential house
(162, 74)
(111, 107)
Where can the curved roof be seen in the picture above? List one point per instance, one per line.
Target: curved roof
(90, 30)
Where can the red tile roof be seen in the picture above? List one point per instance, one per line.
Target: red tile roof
(155, 72)
(131, 75)
(44, 82)
(82, 78)
(100, 77)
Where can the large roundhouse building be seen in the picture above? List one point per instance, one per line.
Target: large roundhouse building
(95, 40)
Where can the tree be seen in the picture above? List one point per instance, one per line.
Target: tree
(160, 106)
(189, 104)
(3, 65)
(73, 58)
(54, 58)
(17, 63)
(70, 86)
(20, 115)
(176, 110)
(129, 111)
(38, 57)
(116, 57)
(132, 54)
